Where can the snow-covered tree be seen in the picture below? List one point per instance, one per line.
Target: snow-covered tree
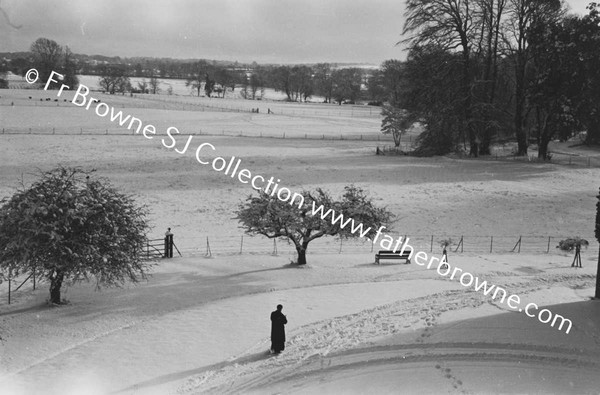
(68, 226)
(273, 218)
(396, 122)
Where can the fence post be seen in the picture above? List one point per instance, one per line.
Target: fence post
(460, 245)
(241, 244)
(340, 245)
(431, 249)
(9, 285)
(548, 249)
(491, 244)
(34, 278)
(274, 246)
(518, 243)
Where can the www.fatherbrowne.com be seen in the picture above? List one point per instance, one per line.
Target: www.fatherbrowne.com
(444, 269)
(245, 176)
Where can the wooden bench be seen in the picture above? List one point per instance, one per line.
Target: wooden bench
(385, 254)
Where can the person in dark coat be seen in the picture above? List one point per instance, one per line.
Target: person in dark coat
(278, 321)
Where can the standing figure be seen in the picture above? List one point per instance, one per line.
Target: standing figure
(577, 259)
(444, 259)
(278, 322)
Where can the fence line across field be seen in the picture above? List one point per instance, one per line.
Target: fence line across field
(217, 132)
(557, 158)
(245, 244)
(210, 246)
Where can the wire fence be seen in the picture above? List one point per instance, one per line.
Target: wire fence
(502, 152)
(211, 246)
(245, 244)
(205, 132)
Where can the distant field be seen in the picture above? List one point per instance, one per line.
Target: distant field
(23, 110)
(430, 196)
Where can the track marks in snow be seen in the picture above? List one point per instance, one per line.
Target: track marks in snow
(316, 342)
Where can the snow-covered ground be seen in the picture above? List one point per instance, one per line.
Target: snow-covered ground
(201, 324)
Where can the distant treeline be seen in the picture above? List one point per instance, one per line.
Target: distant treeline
(333, 82)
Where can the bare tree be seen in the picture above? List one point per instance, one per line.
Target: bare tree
(154, 85)
(226, 79)
(392, 79)
(449, 24)
(346, 84)
(143, 86)
(396, 122)
(48, 55)
(323, 81)
(520, 16)
(198, 77)
(70, 70)
(113, 79)
(255, 83)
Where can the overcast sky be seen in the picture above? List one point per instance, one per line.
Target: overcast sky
(276, 31)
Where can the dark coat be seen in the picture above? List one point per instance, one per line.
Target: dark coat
(278, 321)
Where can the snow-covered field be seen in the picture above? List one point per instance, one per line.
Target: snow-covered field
(201, 324)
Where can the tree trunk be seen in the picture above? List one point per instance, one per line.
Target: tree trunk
(520, 131)
(301, 254)
(397, 137)
(543, 149)
(466, 92)
(520, 106)
(55, 285)
(486, 141)
(597, 296)
(545, 138)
